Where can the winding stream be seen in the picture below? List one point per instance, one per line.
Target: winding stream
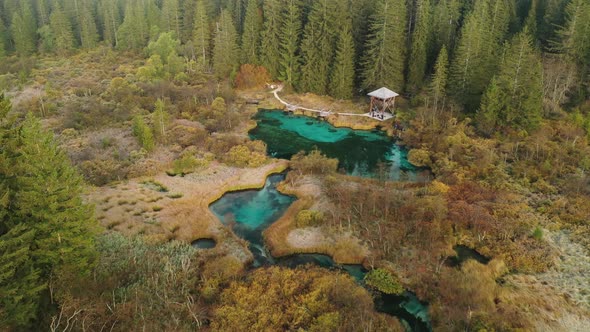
(250, 212)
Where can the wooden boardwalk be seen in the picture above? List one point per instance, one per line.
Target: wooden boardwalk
(325, 113)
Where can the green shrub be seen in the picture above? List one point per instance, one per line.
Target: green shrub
(308, 218)
(242, 156)
(384, 281)
(154, 185)
(538, 233)
(186, 164)
(313, 163)
(143, 133)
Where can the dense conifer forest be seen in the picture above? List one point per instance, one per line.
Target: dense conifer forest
(121, 121)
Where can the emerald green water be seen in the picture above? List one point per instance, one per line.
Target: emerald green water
(248, 213)
(359, 152)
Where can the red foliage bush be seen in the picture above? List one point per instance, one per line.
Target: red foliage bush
(251, 76)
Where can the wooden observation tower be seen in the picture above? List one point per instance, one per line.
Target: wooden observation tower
(382, 100)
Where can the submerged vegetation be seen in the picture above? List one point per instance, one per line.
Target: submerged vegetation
(122, 120)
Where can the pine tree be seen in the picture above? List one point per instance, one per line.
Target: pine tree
(290, 36)
(252, 33)
(225, 51)
(42, 7)
(446, 19)
(133, 33)
(342, 77)
(362, 11)
(575, 34)
(110, 18)
(46, 39)
(153, 16)
(271, 37)
(163, 54)
(318, 47)
(171, 20)
(438, 85)
(160, 120)
(515, 96)
(2, 39)
(144, 134)
(421, 44)
(44, 224)
(88, 30)
(24, 30)
(20, 283)
(202, 35)
(530, 22)
(187, 24)
(477, 53)
(236, 8)
(551, 18)
(383, 64)
(62, 30)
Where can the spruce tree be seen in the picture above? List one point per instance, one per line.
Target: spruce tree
(552, 18)
(290, 36)
(383, 64)
(202, 35)
(44, 224)
(252, 33)
(438, 85)
(361, 11)
(271, 37)
(133, 33)
(237, 10)
(24, 29)
(43, 12)
(530, 22)
(62, 30)
(171, 20)
(317, 47)
(160, 120)
(110, 18)
(445, 21)
(188, 18)
(225, 51)
(144, 134)
(421, 44)
(153, 16)
(342, 77)
(575, 34)
(2, 39)
(88, 30)
(478, 51)
(515, 96)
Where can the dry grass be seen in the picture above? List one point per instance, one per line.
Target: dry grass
(283, 238)
(541, 304)
(184, 215)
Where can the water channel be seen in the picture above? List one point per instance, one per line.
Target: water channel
(249, 212)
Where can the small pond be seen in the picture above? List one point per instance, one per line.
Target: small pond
(204, 243)
(250, 212)
(464, 253)
(360, 152)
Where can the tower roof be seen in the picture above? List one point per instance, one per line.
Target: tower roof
(383, 93)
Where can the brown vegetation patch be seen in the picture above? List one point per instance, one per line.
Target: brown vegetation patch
(284, 237)
(136, 208)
